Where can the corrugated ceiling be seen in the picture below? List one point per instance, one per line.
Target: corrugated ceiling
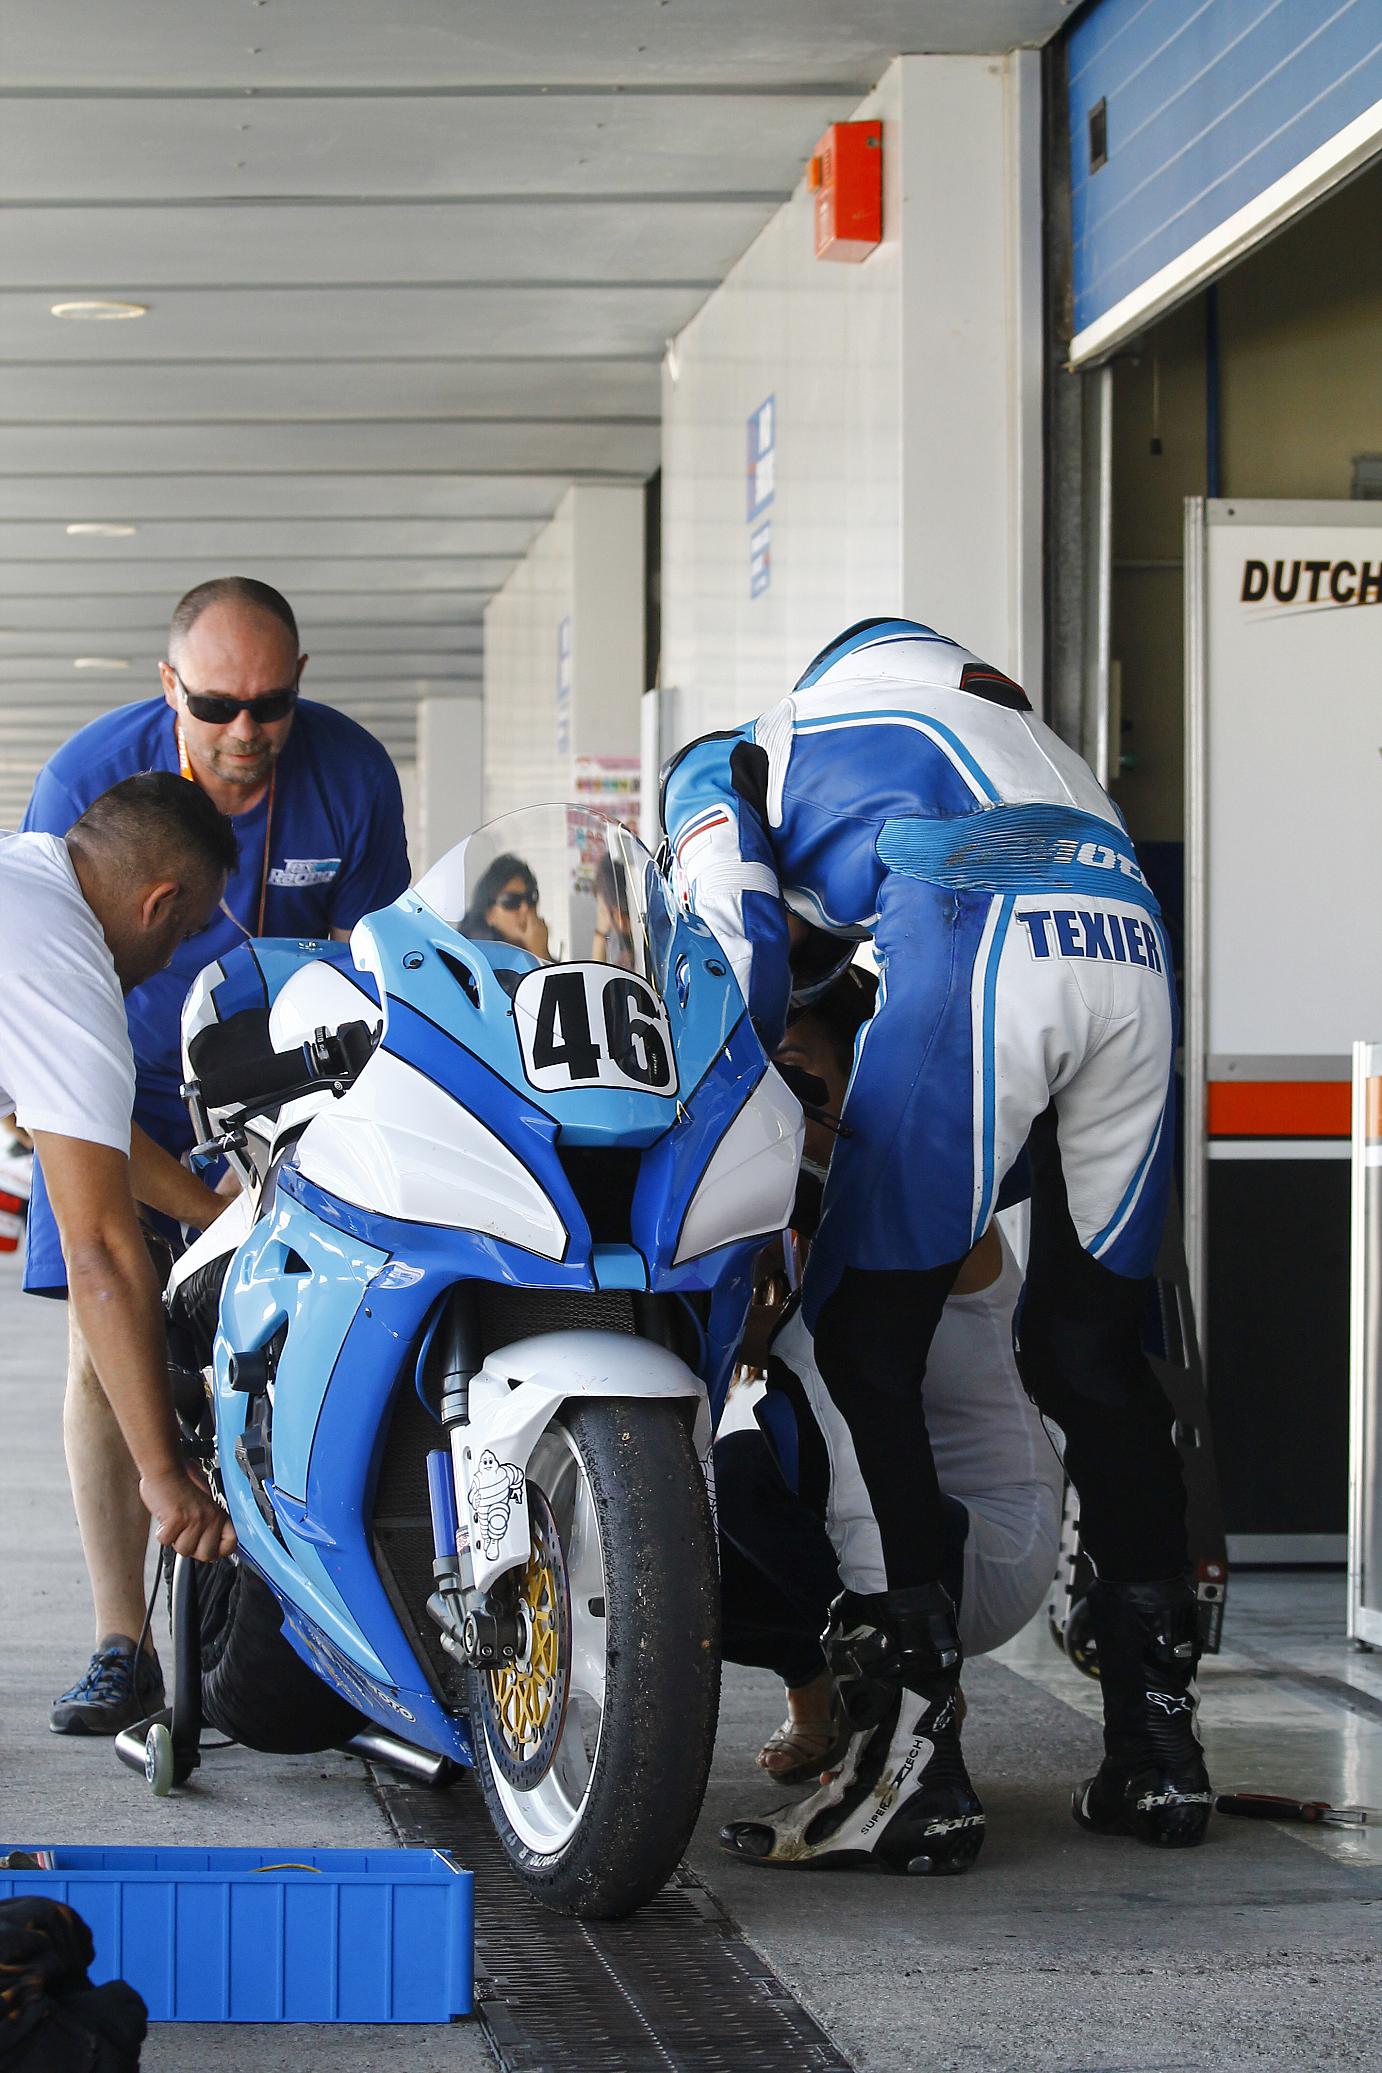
(409, 271)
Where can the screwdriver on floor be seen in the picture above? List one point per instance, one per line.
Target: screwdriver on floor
(1268, 1806)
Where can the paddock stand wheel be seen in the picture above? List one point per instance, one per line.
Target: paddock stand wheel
(166, 1747)
(160, 1766)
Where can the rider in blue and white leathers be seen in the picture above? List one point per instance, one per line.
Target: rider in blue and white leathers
(905, 792)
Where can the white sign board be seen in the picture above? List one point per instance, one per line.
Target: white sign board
(1293, 750)
(1284, 821)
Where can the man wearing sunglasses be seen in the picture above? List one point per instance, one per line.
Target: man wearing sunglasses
(318, 816)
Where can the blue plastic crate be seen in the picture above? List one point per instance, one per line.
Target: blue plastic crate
(273, 1936)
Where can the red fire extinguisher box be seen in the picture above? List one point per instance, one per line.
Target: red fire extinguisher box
(846, 177)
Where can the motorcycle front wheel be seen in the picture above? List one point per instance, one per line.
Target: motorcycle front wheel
(594, 1749)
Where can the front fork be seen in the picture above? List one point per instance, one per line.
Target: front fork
(479, 1628)
(479, 1488)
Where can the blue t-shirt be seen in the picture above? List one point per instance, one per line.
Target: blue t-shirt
(336, 847)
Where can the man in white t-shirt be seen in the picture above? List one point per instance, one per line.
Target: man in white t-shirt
(83, 919)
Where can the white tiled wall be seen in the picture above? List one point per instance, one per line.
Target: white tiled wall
(444, 803)
(581, 582)
(907, 399)
(523, 763)
(824, 342)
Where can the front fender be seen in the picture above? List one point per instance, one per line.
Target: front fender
(514, 1398)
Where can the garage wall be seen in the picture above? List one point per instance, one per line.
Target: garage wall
(564, 650)
(443, 798)
(906, 417)
(1300, 346)
(524, 762)
(1300, 349)
(818, 346)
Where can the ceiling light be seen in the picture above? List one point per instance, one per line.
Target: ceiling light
(100, 529)
(95, 312)
(100, 662)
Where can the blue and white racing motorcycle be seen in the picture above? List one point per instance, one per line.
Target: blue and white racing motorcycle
(449, 1358)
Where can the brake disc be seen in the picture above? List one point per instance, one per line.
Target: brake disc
(524, 1703)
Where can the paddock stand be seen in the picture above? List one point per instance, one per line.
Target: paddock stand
(1172, 1346)
(166, 1747)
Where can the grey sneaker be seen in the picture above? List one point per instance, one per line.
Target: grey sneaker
(113, 1694)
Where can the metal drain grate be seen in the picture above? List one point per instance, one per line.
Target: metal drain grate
(675, 1989)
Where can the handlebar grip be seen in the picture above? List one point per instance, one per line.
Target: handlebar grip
(231, 1086)
(355, 1046)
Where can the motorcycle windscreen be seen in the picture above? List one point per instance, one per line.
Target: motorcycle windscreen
(570, 911)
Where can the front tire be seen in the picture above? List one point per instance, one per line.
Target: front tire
(593, 1755)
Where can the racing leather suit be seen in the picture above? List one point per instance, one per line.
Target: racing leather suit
(906, 792)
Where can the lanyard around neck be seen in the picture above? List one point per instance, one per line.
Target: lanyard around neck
(185, 766)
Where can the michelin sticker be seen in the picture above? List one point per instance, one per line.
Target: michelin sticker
(495, 1488)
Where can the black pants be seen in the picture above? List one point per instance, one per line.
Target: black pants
(778, 1573)
(1081, 1356)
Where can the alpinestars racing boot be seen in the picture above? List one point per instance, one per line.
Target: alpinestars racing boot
(900, 1799)
(1152, 1783)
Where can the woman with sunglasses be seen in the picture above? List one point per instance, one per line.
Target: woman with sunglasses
(505, 908)
(318, 819)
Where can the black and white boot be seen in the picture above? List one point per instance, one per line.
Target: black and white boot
(1152, 1783)
(900, 1799)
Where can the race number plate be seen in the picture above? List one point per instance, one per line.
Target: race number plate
(590, 1025)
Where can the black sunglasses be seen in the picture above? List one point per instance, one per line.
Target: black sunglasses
(216, 711)
(511, 902)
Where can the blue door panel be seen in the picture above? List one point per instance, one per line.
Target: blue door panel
(1208, 102)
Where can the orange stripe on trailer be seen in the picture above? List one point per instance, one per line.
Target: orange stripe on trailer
(1280, 1108)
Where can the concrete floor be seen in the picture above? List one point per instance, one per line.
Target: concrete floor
(1060, 1951)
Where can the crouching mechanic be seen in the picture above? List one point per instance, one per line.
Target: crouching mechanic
(83, 919)
(999, 1474)
(906, 791)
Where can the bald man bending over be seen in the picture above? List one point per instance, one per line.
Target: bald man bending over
(316, 807)
(83, 920)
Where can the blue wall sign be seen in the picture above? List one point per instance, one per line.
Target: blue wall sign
(762, 442)
(760, 558)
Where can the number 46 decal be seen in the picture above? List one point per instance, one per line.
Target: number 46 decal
(589, 1026)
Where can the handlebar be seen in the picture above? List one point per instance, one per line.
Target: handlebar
(273, 1075)
(331, 1058)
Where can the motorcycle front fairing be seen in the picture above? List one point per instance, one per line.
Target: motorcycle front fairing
(445, 1163)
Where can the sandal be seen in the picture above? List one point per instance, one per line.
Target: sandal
(810, 1746)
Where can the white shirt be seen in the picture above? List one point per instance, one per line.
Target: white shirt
(65, 1060)
(991, 1452)
(987, 1435)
